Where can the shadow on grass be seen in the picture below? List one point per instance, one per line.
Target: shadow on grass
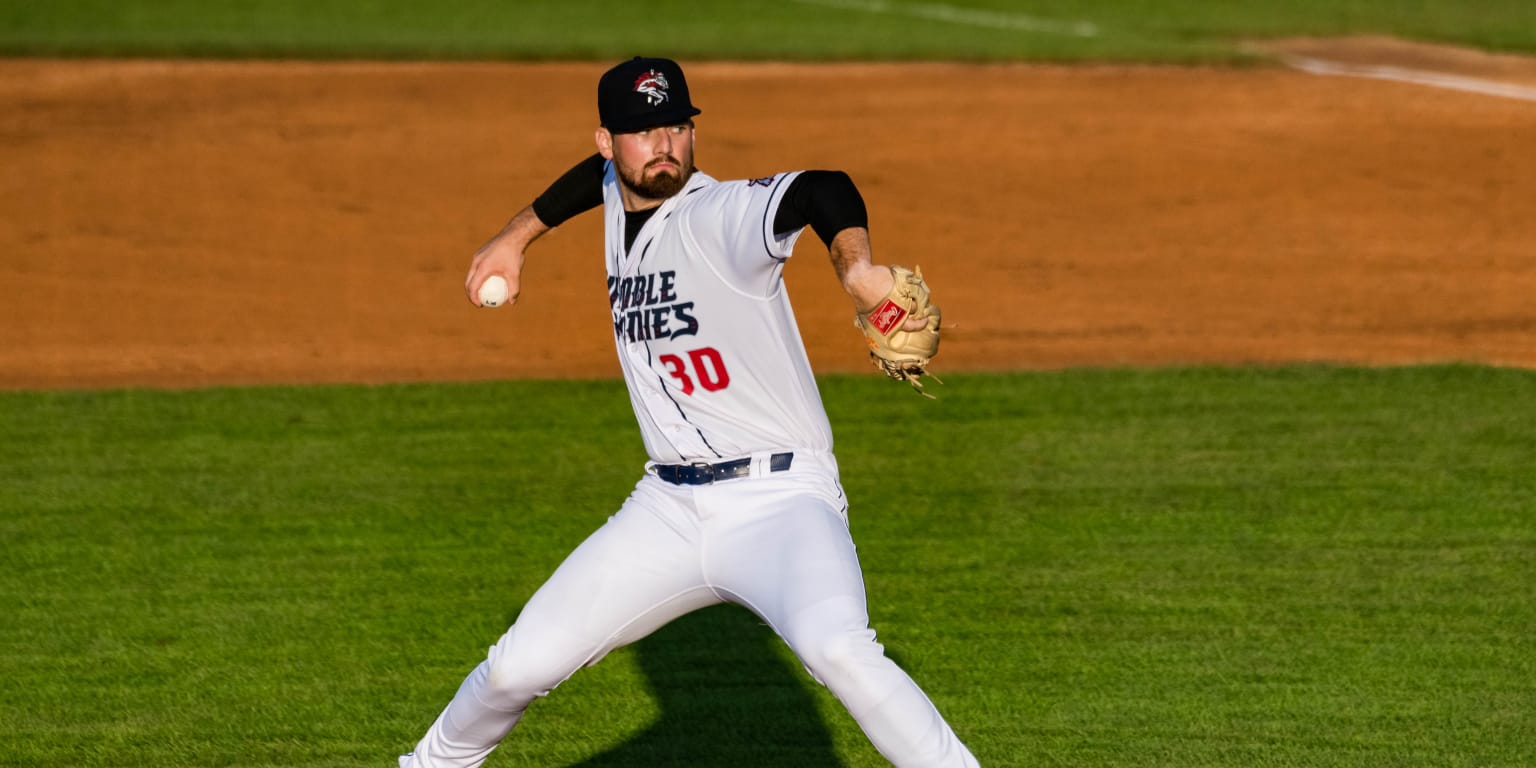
(728, 698)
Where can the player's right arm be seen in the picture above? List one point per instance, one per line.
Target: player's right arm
(580, 189)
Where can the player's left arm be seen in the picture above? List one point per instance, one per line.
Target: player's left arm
(830, 203)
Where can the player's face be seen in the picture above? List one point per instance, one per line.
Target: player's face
(655, 163)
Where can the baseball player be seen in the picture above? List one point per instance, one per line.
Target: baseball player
(740, 500)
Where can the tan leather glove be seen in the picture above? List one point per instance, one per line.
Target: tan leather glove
(902, 354)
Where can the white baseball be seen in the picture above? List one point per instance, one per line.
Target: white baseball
(493, 292)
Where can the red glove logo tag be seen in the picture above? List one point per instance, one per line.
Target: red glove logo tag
(887, 316)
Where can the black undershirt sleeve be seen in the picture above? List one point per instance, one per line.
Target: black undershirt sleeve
(578, 191)
(826, 200)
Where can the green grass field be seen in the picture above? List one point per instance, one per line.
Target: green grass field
(1119, 30)
(1307, 566)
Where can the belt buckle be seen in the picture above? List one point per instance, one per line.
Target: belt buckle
(704, 470)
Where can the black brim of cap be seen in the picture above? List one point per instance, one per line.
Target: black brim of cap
(634, 123)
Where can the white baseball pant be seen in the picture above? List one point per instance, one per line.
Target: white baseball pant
(774, 542)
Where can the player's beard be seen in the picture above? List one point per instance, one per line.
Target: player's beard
(661, 186)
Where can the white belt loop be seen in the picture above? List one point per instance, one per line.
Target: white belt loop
(760, 467)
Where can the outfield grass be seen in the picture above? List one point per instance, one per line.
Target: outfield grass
(1306, 566)
(1068, 30)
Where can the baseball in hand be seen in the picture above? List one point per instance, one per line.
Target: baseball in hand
(493, 292)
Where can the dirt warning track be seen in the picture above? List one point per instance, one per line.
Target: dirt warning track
(194, 223)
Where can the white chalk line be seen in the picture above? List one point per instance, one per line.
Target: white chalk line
(968, 16)
(1021, 22)
(1415, 76)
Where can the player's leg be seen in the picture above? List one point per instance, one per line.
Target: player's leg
(634, 574)
(792, 561)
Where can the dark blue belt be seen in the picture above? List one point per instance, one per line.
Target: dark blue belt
(704, 474)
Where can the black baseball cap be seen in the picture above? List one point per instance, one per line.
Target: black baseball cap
(643, 93)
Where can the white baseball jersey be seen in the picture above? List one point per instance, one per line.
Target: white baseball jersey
(702, 321)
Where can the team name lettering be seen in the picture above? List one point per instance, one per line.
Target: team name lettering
(646, 308)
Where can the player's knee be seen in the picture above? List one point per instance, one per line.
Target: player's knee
(512, 683)
(841, 656)
(521, 669)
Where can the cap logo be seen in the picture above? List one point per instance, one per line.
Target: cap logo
(654, 85)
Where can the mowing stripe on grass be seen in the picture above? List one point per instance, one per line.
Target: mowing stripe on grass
(967, 16)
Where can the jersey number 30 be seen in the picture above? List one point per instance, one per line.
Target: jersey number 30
(707, 368)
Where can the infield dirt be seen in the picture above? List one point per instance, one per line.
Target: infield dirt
(197, 223)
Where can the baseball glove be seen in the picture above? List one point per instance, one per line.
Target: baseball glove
(902, 354)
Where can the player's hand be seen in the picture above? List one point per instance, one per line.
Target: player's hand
(868, 284)
(496, 258)
(895, 347)
(914, 324)
(503, 255)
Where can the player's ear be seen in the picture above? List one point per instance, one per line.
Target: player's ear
(604, 143)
